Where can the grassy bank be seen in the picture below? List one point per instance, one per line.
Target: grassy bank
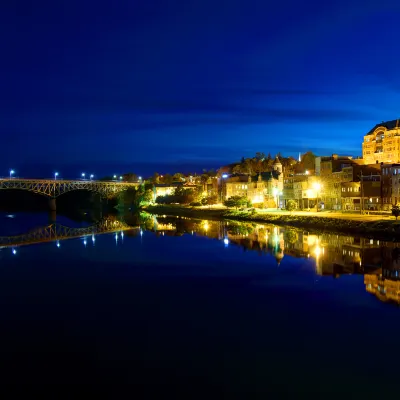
(387, 229)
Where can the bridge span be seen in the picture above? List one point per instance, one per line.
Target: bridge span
(52, 188)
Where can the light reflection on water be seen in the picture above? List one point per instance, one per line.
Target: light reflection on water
(331, 254)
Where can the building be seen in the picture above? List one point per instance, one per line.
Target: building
(165, 189)
(333, 170)
(264, 189)
(390, 185)
(362, 195)
(382, 143)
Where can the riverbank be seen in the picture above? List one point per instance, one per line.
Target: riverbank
(377, 226)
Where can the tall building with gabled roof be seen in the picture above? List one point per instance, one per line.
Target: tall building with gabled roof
(382, 143)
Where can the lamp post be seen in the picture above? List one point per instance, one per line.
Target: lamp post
(223, 176)
(276, 193)
(55, 175)
(91, 176)
(317, 187)
(11, 173)
(83, 175)
(120, 178)
(115, 177)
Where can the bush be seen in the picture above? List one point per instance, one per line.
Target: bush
(291, 205)
(195, 204)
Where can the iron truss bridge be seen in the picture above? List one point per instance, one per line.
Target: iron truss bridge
(57, 232)
(55, 188)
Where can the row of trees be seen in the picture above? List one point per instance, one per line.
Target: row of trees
(264, 163)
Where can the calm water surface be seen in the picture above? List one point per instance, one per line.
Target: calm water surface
(173, 303)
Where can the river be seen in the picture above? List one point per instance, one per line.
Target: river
(239, 308)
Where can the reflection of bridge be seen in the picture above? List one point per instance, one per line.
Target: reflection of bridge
(56, 231)
(55, 188)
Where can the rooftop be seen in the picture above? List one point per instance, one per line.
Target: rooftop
(389, 125)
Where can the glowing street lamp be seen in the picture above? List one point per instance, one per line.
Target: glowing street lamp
(55, 175)
(12, 172)
(120, 178)
(140, 178)
(317, 186)
(83, 175)
(91, 176)
(115, 177)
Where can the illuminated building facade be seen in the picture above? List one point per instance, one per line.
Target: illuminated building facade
(264, 189)
(382, 143)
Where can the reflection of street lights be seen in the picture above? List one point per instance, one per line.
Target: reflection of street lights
(317, 187)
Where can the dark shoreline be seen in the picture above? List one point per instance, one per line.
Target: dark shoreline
(380, 229)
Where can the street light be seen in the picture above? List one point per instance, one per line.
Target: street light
(55, 175)
(223, 176)
(11, 173)
(115, 176)
(83, 175)
(91, 176)
(120, 178)
(140, 178)
(317, 186)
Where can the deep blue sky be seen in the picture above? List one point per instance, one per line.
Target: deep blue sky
(162, 85)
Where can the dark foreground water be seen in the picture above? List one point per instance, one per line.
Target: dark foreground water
(174, 304)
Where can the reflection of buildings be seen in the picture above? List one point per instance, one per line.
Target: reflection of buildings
(334, 254)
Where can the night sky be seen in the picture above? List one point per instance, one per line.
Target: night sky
(158, 85)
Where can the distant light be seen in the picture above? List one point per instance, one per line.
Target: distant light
(224, 175)
(122, 234)
(14, 251)
(58, 243)
(226, 241)
(140, 178)
(84, 242)
(307, 172)
(93, 238)
(141, 233)
(120, 178)
(115, 176)
(91, 176)
(55, 175)
(83, 174)
(10, 216)
(11, 172)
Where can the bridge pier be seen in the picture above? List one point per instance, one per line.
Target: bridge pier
(52, 217)
(52, 204)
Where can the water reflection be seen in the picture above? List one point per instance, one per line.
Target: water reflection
(332, 254)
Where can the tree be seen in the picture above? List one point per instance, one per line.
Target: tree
(236, 201)
(291, 205)
(167, 179)
(156, 177)
(396, 211)
(130, 177)
(178, 177)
